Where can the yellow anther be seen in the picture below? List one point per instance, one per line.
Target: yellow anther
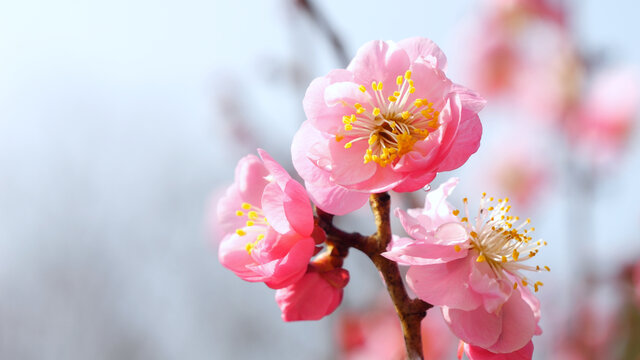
(250, 223)
(473, 234)
(348, 127)
(406, 115)
(252, 215)
(491, 199)
(399, 80)
(396, 93)
(246, 206)
(515, 254)
(504, 259)
(249, 247)
(392, 98)
(484, 194)
(465, 200)
(455, 212)
(374, 86)
(490, 208)
(380, 86)
(347, 145)
(457, 248)
(346, 119)
(241, 232)
(525, 283)
(393, 125)
(464, 219)
(481, 258)
(339, 138)
(239, 213)
(407, 74)
(372, 139)
(515, 285)
(547, 268)
(506, 199)
(260, 237)
(417, 103)
(412, 90)
(362, 88)
(360, 110)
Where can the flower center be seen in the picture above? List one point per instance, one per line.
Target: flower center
(502, 241)
(390, 125)
(256, 224)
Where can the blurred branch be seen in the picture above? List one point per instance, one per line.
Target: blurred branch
(323, 24)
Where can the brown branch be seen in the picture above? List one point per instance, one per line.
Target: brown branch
(410, 311)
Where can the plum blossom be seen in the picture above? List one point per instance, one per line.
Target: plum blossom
(472, 269)
(315, 296)
(268, 222)
(390, 121)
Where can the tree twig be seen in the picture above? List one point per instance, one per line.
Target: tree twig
(410, 311)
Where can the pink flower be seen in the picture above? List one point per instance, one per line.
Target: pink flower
(314, 296)
(478, 353)
(391, 121)
(268, 222)
(472, 269)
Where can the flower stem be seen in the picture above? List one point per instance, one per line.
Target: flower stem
(410, 311)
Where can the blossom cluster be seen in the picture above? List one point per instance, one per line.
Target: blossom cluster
(391, 120)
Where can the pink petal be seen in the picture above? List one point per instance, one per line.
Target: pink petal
(415, 182)
(379, 61)
(431, 84)
(495, 292)
(298, 208)
(326, 195)
(304, 141)
(518, 325)
(384, 179)
(292, 267)
(226, 211)
(444, 284)
(423, 50)
(348, 166)
(234, 256)
(250, 178)
(478, 353)
(476, 327)
(277, 172)
(322, 116)
(423, 253)
(335, 199)
(273, 200)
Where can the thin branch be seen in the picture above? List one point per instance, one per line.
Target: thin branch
(410, 311)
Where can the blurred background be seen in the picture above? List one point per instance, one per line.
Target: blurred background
(121, 121)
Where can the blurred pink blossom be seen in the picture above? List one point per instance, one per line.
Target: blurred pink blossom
(601, 125)
(375, 334)
(472, 269)
(268, 221)
(361, 137)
